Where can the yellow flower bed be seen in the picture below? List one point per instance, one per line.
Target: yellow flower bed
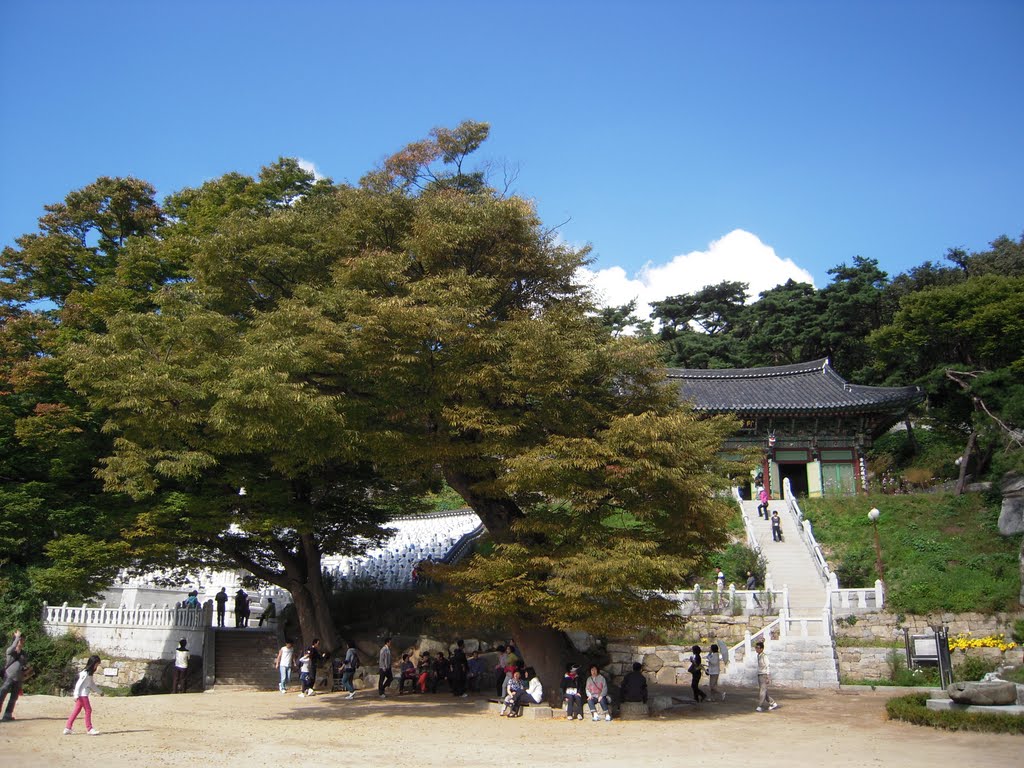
(963, 641)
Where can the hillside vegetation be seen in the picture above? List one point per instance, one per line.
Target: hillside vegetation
(940, 552)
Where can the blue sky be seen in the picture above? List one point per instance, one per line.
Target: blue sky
(687, 142)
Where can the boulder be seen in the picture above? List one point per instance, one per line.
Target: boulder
(1011, 513)
(991, 694)
(652, 662)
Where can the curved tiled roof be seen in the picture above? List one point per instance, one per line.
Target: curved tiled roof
(802, 388)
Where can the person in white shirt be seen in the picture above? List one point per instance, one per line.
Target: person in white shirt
(83, 687)
(283, 663)
(764, 677)
(181, 657)
(714, 669)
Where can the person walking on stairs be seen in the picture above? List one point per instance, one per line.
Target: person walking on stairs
(764, 701)
(776, 526)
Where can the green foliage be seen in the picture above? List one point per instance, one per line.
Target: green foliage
(734, 560)
(49, 657)
(913, 709)
(1018, 631)
(941, 552)
(973, 668)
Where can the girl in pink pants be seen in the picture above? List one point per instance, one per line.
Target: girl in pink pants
(83, 687)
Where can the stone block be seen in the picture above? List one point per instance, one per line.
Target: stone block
(634, 710)
(666, 675)
(653, 662)
(996, 693)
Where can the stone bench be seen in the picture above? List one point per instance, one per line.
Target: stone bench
(535, 711)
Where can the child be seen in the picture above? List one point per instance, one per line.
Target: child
(306, 675)
(84, 685)
(714, 668)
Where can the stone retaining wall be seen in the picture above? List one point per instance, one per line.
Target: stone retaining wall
(888, 627)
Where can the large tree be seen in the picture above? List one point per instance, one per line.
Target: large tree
(419, 326)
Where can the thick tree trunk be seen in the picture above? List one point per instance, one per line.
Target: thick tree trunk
(547, 651)
(961, 482)
(497, 514)
(324, 623)
(302, 576)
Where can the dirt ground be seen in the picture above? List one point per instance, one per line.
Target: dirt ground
(235, 727)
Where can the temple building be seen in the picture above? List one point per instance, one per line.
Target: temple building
(810, 425)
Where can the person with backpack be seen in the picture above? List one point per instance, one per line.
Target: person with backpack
(348, 671)
(83, 687)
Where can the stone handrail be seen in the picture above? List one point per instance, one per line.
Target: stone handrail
(176, 617)
(747, 601)
(862, 599)
(751, 533)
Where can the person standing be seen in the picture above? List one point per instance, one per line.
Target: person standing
(83, 687)
(241, 606)
(695, 670)
(720, 581)
(751, 581)
(348, 671)
(15, 664)
(499, 671)
(384, 676)
(181, 657)
(776, 526)
(459, 669)
(314, 655)
(283, 663)
(714, 669)
(221, 598)
(762, 508)
(764, 678)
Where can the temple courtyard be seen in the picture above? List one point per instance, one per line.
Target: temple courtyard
(241, 727)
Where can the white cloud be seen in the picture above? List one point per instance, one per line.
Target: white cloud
(739, 256)
(310, 167)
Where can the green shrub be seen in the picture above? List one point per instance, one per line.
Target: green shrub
(973, 668)
(913, 709)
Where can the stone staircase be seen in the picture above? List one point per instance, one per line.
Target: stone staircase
(245, 657)
(802, 653)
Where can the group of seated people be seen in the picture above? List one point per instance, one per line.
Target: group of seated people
(523, 688)
(429, 673)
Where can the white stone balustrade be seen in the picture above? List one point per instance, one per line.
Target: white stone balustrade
(137, 632)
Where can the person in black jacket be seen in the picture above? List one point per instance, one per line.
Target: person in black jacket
(634, 685)
(459, 669)
(572, 693)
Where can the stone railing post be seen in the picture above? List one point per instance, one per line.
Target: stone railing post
(879, 594)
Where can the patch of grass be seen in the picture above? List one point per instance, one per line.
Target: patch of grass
(913, 709)
(1013, 675)
(941, 552)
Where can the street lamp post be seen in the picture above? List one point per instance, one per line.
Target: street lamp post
(873, 516)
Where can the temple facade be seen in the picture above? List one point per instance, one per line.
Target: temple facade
(807, 423)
